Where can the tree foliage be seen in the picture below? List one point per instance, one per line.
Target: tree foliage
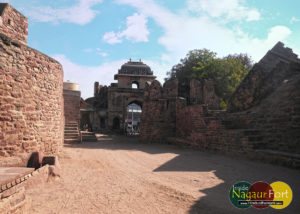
(227, 72)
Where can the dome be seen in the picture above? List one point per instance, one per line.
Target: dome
(135, 68)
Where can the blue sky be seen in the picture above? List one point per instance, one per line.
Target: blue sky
(93, 38)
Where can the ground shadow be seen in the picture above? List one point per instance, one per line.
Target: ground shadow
(232, 170)
(229, 169)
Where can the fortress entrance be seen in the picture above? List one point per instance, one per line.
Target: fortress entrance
(133, 119)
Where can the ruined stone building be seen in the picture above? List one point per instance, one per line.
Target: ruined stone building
(72, 99)
(111, 105)
(262, 121)
(31, 93)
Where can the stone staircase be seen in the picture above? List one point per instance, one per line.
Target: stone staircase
(88, 136)
(72, 134)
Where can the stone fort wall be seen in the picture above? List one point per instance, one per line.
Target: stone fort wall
(31, 100)
(13, 24)
(262, 122)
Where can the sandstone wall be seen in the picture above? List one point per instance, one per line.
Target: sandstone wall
(31, 100)
(158, 119)
(265, 77)
(72, 106)
(207, 130)
(263, 121)
(13, 24)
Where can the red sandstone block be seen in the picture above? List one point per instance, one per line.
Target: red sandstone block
(3, 187)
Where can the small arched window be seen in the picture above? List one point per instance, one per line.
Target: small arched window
(135, 85)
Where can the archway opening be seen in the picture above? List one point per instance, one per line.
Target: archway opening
(102, 123)
(135, 85)
(133, 119)
(116, 123)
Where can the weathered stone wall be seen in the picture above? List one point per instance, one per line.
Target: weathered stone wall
(72, 106)
(265, 77)
(14, 201)
(13, 24)
(159, 111)
(31, 100)
(204, 129)
(118, 100)
(125, 81)
(263, 121)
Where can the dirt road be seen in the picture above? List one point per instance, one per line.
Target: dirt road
(120, 175)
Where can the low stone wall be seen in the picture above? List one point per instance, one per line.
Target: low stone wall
(31, 100)
(202, 130)
(13, 198)
(14, 201)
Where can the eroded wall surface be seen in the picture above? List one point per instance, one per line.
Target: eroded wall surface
(13, 24)
(31, 100)
(262, 122)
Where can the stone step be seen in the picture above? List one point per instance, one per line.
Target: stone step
(71, 141)
(71, 128)
(71, 124)
(88, 133)
(72, 136)
(89, 137)
(89, 140)
(71, 131)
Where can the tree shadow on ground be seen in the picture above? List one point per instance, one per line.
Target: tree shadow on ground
(229, 169)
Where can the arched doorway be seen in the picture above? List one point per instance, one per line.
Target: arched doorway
(133, 118)
(102, 122)
(116, 123)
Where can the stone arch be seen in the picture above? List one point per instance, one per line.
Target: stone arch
(133, 116)
(135, 84)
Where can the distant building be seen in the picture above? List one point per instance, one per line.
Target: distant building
(112, 106)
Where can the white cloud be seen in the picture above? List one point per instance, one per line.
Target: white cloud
(136, 30)
(184, 32)
(95, 50)
(112, 38)
(80, 13)
(294, 19)
(231, 9)
(257, 48)
(85, 76)
(103, 54)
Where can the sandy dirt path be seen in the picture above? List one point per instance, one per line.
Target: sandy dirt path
(120, 175)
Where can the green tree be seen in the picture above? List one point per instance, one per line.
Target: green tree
(184, 70)
(227, 72)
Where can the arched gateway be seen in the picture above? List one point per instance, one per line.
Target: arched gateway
(124, 99)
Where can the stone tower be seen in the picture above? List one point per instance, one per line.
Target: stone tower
(13, 24)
